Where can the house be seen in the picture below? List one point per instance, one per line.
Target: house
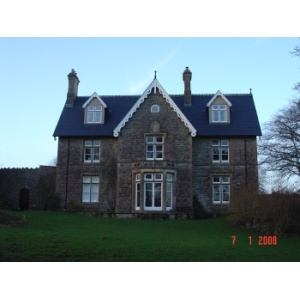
(155, 152)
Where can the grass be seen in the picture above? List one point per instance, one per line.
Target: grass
(57, 236)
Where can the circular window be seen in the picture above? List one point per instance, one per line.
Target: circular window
(155, 109)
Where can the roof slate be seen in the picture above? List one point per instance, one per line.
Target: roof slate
(243, 116)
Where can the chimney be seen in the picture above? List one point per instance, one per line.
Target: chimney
(73, 88)
(186, 77)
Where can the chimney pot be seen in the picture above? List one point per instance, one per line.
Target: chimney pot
(187, 77)
(72, 88)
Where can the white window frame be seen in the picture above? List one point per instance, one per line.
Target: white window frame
(221, 189)
(137, 192)
(218, 148)
(157, 151)
(92, 149)
(219, 113)
(94, 114)
(155, 109)
(169, 191)
(154, 180)
(90, 189)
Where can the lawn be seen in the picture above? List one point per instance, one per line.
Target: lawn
(57, 236)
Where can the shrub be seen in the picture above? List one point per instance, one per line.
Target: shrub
(75, 207)
(275, 213)
(198, 210)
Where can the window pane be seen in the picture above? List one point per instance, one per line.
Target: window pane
(154, 108)
(88, 143)
(224, 142)
(149, 139)
(138, 177)
(222, 107)
(169, 177)
(215, 115)
(148, 176)
(97, 117)
(94, 197)
(148, 194)
(159, 139)
(96, 143)
(85, 193)
(225, 179)
(216, 193)
(86, 179)
(138, 195)
(216, 154)
(216, 142)
(149, 152)
(88, 154)
(226, 193)
(90, 117)
(98, 108)
(223, 116)
(91, 108)
(216, 180)
(224, 154)
(169, 195)
(96, 154)
(95, 179)
(158, 176)
(157, 195)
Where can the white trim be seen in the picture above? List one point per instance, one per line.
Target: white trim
(219, 94)
(157, 86)
(94, 95)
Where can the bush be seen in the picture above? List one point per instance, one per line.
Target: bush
(75, 207)
(198, 210)
(270, 214)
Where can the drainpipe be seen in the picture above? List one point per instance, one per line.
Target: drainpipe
(67, 175)
(246, 162)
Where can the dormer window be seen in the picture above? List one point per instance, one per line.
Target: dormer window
(94, 110)
(219, 109)
(94, 114)
(219, 113)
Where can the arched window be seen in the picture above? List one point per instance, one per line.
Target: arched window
(155, 109)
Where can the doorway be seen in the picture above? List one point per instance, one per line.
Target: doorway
(24, 199)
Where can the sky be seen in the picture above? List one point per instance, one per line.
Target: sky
(33, 78)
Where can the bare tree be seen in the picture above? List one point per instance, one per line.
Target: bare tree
(296, 52)
(279, 148)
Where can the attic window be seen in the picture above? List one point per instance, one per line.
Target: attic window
(219, 113)
(155, 109)
(94, 114)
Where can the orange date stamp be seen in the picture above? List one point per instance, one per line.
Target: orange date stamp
(261, 240)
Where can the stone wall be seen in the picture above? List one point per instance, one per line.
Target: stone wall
(177, 153)
(242, 168)
(71, 168)
(36, 183)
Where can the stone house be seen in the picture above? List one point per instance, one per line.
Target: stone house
(155, 152)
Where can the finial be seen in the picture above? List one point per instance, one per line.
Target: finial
(154, 74)
(250, 90)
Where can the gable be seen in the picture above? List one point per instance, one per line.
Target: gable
(219, 98)
(157, 88)
(94, 99)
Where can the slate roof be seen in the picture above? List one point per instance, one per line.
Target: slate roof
(243, 116)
